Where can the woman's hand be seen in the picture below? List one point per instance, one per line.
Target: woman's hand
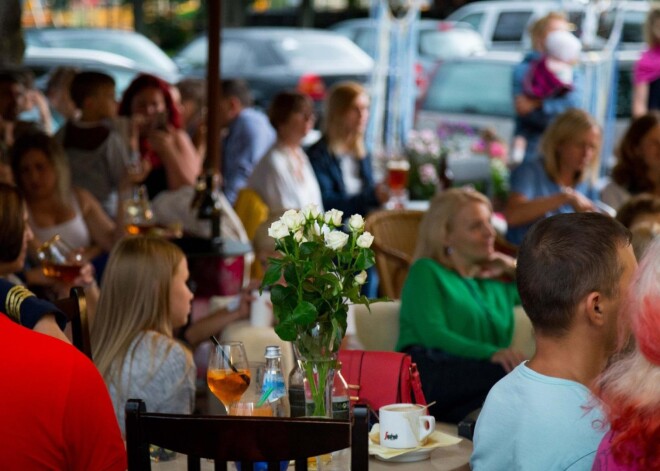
(508, 358)
(163, 142)
(498, 265)
(578, 201)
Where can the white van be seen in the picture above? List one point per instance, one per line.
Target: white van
(504, 24)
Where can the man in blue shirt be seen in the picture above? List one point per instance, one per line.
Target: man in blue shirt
(248, 136)
(533, 114)
(573, 270)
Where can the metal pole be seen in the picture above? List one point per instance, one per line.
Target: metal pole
(213, 160)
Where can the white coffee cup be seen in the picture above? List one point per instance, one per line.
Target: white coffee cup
(261, 309)
(404, 425)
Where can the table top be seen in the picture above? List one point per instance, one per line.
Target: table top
(450, 458)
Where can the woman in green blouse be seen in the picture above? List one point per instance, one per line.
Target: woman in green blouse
(457, 305)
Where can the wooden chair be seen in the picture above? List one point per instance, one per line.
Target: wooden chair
(395, 238)
(242, 439)
(75, 309)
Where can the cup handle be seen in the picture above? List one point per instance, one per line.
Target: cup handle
(426, 426)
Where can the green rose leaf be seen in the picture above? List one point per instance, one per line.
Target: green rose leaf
(308, 249)
(272, 275)
(304, 313)
(286, 331)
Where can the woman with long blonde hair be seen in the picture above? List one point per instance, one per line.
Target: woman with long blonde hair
(563, 180)
(340, 160)
(144, 298)
(456, 317)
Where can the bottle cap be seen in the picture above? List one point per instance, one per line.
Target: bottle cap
(273, 351)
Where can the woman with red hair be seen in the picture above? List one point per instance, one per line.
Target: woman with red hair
(169, 159)
(630, 389)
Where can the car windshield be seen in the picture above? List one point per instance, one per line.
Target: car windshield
(448, 44)
(471, 87)
(135, 47)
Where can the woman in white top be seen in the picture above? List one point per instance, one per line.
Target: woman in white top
(144, 298)
(284, 177)
(42, 173)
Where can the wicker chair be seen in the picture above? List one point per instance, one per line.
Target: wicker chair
(395, 233)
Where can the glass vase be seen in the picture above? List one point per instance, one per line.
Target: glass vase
(317, 348)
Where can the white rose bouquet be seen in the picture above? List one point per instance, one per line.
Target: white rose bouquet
(323, 269)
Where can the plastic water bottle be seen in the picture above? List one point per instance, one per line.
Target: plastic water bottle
(273, 385)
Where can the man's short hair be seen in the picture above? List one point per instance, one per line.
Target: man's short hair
(561, 260)
(88, 83)
(237, 88)
(639, 205)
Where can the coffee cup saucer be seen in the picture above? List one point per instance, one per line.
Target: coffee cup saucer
(406, 455)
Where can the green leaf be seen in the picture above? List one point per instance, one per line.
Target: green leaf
(291, 275)
(273, 274)
(304, 313)
(308, 248)
(286, 331)
(279, 294)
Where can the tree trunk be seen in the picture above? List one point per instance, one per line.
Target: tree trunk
(306, 14)
(234, 12)
(12, 45)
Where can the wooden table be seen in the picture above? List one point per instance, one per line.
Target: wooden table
(451, 458)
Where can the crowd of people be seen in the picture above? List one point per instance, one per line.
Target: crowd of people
(587, 397)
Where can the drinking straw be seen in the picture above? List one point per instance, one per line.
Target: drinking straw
(265, 395)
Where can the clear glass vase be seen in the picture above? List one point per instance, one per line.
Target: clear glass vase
(317, 348)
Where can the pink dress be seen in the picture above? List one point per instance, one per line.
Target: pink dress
(605, 461)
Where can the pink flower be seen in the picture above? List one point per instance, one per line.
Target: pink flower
(428, 174)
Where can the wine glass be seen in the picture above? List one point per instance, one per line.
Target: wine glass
(228, 373)
(60, 260)
(397, 181)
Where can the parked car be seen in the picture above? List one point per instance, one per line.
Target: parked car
(275, 59)
(504, 24)
(128, 44)
(41, 61)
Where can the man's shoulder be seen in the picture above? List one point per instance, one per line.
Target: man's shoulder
(252, 117)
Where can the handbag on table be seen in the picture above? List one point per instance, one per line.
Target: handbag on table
(377, 379)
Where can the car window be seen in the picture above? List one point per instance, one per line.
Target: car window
(511, 26)
(236, 57)
(319, 51)
(365, 38)
(450, 43)
(633, 27)
(473, 19)
(624, 93)
(473, 88)
(196, 53)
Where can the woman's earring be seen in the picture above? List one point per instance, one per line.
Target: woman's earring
(448, 251)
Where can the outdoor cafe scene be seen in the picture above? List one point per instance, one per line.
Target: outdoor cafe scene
(330, 235)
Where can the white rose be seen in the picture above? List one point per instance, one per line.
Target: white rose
(356, 223)
(365, 240)
(333, 217)
(335, 240)
(299, 237)
(293, 219)
(361, 278)
(311, 211)
(278, 230)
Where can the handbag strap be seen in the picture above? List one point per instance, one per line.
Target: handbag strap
(416, 384)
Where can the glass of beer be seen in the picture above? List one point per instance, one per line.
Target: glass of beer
(60, 260)
(228, 374)
(397, 181)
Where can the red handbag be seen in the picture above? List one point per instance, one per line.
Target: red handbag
(381, 378)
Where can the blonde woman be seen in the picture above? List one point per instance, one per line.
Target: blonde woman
(340, 160)
(562, 181)
(456, 312)
(144, 298)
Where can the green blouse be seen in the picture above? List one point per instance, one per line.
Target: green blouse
(469, 317)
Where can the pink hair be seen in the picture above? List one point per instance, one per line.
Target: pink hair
(629, 390)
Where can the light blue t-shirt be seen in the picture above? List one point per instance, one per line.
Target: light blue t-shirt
(533, 422)
(532, 181)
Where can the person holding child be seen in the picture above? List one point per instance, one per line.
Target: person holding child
(534, 113)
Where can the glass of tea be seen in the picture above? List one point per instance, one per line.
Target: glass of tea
(397, 181)
(60, 260)
(228, 374)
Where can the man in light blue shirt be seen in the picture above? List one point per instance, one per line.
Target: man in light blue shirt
(573, 270)
(248, 137)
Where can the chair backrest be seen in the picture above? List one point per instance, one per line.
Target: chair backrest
(75, 308)
(242, 439)
(251, 210)
(395, 238)
(379, 329)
